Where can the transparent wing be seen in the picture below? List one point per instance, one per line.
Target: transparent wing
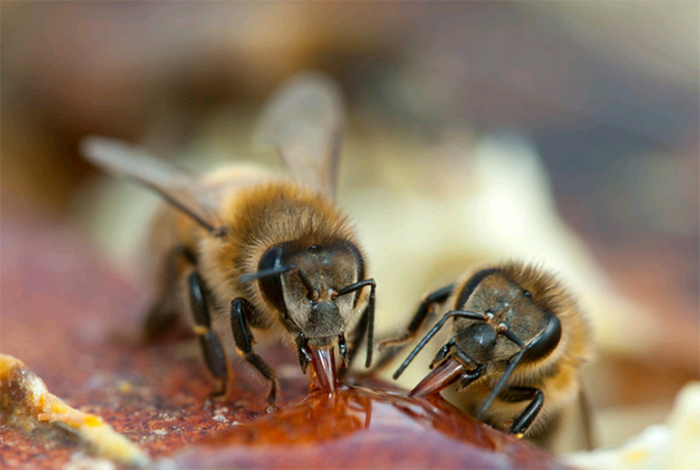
(304, 121)
(178, 187)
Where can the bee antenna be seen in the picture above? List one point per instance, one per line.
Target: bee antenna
(432, 332)
(512, 364)
(265, 273)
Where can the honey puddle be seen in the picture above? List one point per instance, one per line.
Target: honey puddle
(359, 427)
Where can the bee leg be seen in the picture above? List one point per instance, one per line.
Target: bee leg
(524, 420)
(240, 308)
(355, 339)
(365, 325)
(425, 308)
(211, 346)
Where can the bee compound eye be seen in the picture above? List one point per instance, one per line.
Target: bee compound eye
(546, 342)
(271, 286)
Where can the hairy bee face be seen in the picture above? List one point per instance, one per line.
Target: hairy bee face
(503, 302)
(308, 296)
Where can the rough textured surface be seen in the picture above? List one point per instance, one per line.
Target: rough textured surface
(28, 407)
(73, 323)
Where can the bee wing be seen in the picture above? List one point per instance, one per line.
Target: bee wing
(179, 188)
(304, 121)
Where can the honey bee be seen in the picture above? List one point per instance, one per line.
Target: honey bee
(517, 343)
(272, 250)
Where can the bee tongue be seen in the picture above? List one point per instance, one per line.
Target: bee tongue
(441, 377)
(323, 362)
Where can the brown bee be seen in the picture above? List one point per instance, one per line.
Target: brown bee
(271, 250)
(517, 343)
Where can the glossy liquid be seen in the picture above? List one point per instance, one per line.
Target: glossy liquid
(342, 426)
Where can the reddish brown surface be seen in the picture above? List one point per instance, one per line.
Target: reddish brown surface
(63, 314)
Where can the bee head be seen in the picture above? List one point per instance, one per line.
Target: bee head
(304, 282)
(497, 326)
(505, 305)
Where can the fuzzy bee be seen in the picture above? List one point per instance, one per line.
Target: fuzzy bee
(273, 251)
(516, 346)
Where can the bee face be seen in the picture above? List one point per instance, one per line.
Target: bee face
(307, 297)
(504, 304)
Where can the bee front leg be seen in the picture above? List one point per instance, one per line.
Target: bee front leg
(365, 326)
(211, 346)
(425, 308)
(524, 420)
(355, 339)
(240, 309)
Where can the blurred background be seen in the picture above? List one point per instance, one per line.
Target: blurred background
(564, 134)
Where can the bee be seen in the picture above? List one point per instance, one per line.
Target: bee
(517, 343)
(273, 251)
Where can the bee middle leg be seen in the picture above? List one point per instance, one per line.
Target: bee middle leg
(240, 310)
(524, 420)
(214, 354)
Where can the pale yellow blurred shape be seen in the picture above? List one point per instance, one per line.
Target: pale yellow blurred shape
(674, 445)
(685, 425)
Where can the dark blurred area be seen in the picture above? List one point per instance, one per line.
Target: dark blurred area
(608, 92)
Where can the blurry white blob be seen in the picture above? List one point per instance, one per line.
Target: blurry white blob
(674, 445)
